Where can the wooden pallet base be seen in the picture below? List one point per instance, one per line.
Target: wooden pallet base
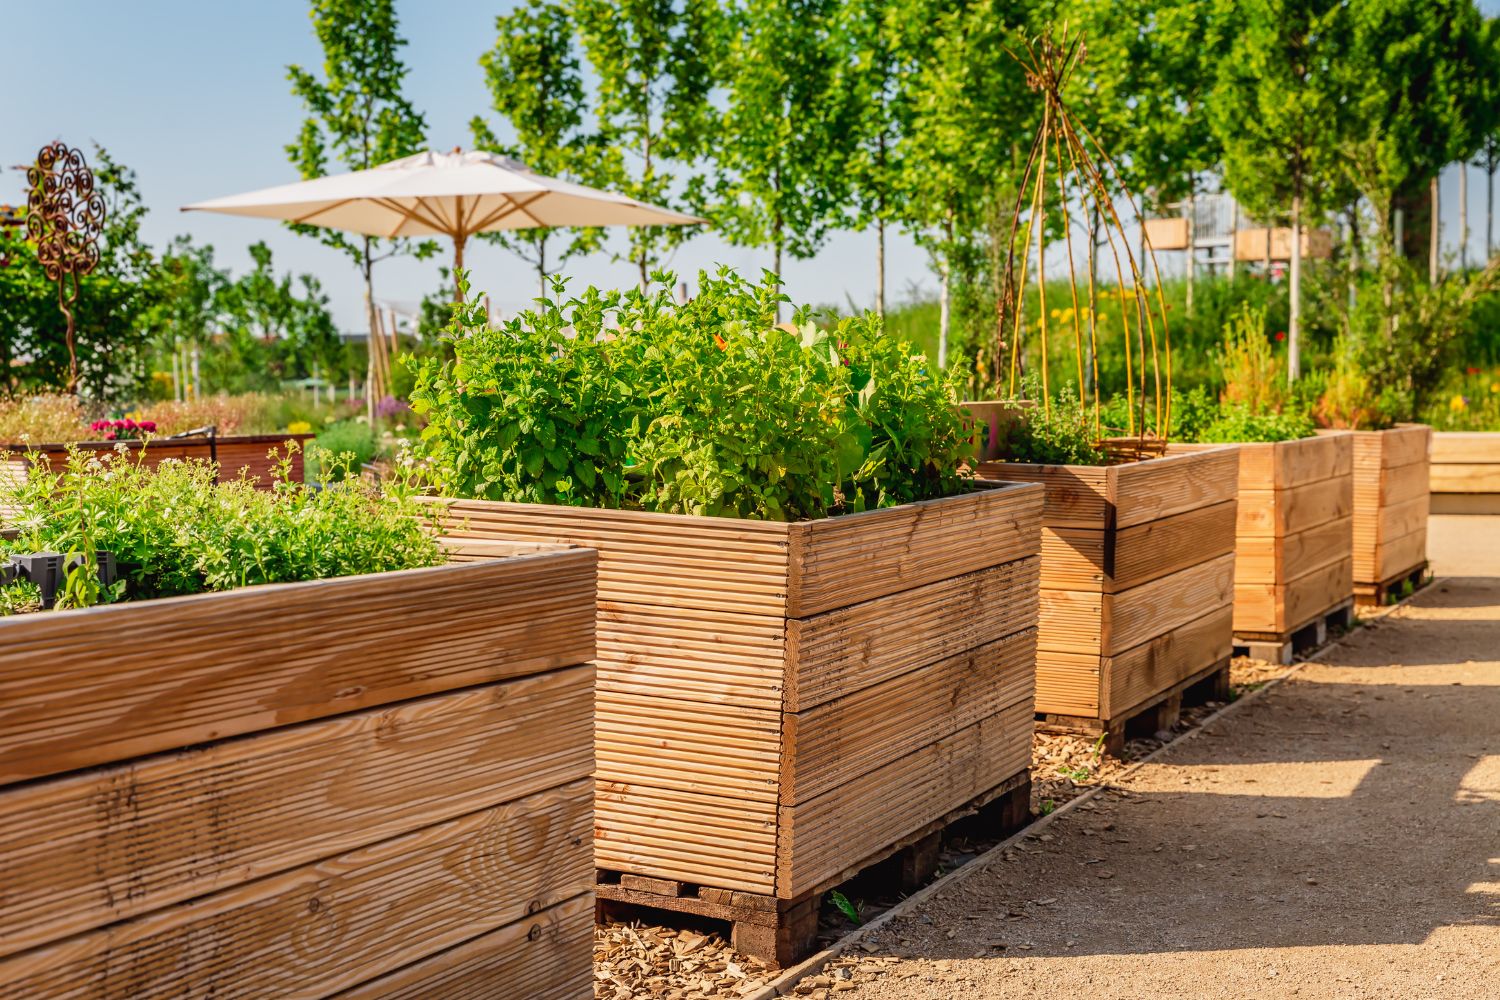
(1378, 595)
(1284, 648)
(1158, 713)
(783, 931)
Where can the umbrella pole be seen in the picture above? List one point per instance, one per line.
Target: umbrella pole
(458, 265)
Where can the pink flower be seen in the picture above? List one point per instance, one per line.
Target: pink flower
(149, 426)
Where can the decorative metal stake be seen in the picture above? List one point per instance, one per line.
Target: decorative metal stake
(64, 218)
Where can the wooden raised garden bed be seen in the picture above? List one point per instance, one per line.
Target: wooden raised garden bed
(376, 784)
(1391, 492)
(783, 705)
(1294, 562)
(1465, 473)
(1137, 585)
(248, 452)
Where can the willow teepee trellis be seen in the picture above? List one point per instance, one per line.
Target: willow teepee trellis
(1066, 154)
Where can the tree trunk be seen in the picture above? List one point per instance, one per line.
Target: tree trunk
(176, 371)
(880, 267)
(1192, 254)
(1353, 255)
(367, 267)
(1294, 324)
(1463, 216)
(541, 264)
(1489, 217)
(945, 298)
(1435, 236)
(197, 386)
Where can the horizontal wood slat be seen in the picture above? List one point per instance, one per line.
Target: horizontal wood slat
(338, 922)
(1157, 557)
(539, 957)
(96, 685)
(824, 835)
(715, 633)
(1391, 490)
(88, 849)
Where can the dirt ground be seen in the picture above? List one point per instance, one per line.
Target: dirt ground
(1338, 837)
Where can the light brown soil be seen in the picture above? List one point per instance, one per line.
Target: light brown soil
(1338, 837)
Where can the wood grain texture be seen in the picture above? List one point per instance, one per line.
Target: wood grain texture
(840, 652)
(84, 850)
(544, 956)
(1077, 496)
(1296, 507)
(249, 455)
(1465, 448)
(714, 633)
(1475, 477)
(98, 685)
(837, 741)
(1158, 558)
(336, 923)
(826, 834)
(861, 557)
(1139, 675)
(1392, 480)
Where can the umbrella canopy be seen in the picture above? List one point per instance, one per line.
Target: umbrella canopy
(453, 194)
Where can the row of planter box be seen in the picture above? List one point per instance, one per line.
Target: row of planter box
(249, 453)
(1465, 473)
(379, 786)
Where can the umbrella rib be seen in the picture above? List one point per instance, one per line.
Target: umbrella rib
(408, 215)
(510, 206)
(303, 219)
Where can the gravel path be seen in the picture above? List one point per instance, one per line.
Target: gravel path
(1340, 837)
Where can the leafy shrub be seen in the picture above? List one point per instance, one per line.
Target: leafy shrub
(338, 449)
(632, 400)
(174, 530)
(1254, 376)
(1062, 434)
(1236, 424)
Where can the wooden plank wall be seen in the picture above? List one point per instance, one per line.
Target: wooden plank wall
(1391, 496)
(1293, 532)
(378, 837)
(1136, 577)
(749, 672)
(1465, 472)
(250, 453)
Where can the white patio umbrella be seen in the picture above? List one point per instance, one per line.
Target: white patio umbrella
(453, 194)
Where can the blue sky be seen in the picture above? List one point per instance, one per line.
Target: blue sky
(193, 95)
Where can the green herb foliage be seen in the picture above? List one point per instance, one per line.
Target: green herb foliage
(1064, 434)
(174, 530)
(631, 400)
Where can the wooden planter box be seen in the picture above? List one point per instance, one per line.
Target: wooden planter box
(1391, 492)
(1137, 583)
(249, 452)
(375, 783)
(1294, 547)
(1465, 473)
(780, 705)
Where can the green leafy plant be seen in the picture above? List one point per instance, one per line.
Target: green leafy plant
(174, 530)
(632, 400)
(1064, 434)
(844, 906)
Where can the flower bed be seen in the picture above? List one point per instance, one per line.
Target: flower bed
(251, 454)
(1391, 493)
(1137, 581)
(374, 782)
(1465, 473)
(1293, 535)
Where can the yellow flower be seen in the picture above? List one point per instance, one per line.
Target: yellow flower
(1457, 403)
(1495, 387)
(299, 427)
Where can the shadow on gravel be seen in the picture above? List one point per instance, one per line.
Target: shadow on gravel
(1325, 814)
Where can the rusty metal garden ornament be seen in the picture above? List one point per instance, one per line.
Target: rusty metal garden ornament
(64, 218)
